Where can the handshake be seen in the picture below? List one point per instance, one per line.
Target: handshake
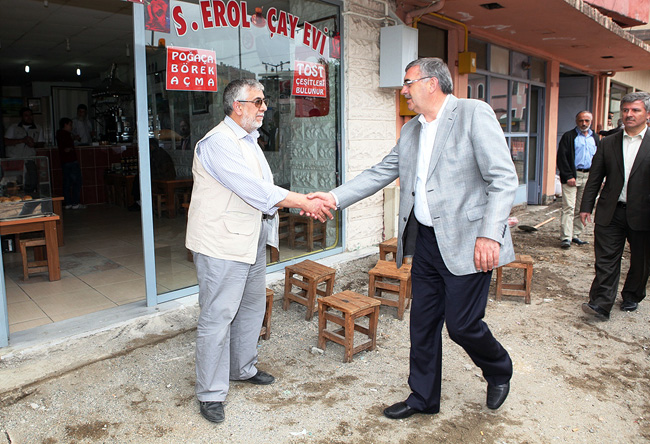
(317, 205)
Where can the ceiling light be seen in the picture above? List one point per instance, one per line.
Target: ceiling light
(491, 6)
(26, 67)
(78, 71)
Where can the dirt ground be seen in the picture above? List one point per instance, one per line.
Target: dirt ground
(576, 380)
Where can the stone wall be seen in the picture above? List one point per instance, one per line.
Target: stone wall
(370, 117)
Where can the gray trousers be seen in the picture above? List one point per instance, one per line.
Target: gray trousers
(232, 298)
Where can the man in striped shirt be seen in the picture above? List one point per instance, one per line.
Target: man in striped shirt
(232, 218)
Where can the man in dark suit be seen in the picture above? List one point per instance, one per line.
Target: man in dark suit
(623, 162)
(457, 185)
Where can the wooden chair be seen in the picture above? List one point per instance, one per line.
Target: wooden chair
(39, 264)
(304, 231)
(522, 261)
(352, 306)
(386, 277)
(159, 204)
(307, 276)
(265, 333)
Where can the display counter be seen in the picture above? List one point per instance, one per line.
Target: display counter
(95, 161)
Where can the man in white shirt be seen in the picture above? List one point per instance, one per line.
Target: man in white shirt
(82, 128)
(457, 185)
(21, 138)
(622, 161)
(232, 217)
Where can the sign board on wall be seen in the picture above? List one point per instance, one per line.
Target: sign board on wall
(309, 79)
(191, 69)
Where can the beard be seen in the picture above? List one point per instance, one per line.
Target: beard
(250, 123)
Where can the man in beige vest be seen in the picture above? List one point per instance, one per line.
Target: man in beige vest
(231, 219)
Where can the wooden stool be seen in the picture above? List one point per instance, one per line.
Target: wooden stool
(352, 307)
(39, 264)
(311, 231)
(160, 203)
(265, 333)
(521, 261)
(309, 275)
(386, 247)
(388, 270)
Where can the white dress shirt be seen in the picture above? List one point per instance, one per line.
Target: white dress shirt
(631, 146)
(428, 131)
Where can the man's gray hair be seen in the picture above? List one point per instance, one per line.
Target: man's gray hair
(434, 67)
(237, 90)
(633, 97)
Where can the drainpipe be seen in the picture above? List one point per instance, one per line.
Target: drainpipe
(435, 7)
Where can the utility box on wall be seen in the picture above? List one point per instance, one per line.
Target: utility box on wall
(398, 45)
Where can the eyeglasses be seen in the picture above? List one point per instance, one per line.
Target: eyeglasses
(256, 102)
(410, 82)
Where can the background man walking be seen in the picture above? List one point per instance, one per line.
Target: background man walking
(574, 153)
(623, 163)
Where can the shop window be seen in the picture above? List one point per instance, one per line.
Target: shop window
(301, 126)
(518, 152)
(432, 41)
(520, 65)
(537, 70)
(518, 105)
(499, 60)
(476, 87)
(499, 101)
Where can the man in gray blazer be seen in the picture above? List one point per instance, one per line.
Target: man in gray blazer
(457, 184)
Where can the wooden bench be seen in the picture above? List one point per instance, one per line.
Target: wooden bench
(352, 306)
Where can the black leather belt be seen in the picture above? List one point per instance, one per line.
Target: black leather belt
(267, 216)
(621, 204)
(583, 170)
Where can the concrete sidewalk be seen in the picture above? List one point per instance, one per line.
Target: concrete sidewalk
(54, 349)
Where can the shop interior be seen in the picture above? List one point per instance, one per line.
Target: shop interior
(82, 53)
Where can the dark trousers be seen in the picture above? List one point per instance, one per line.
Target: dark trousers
(440, 296)
(71, 183)
(609, 242)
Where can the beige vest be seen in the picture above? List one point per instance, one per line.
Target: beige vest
(220, 224)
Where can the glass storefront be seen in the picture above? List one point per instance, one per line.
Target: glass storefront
(107, 253)
(281, 45)
(504, 80)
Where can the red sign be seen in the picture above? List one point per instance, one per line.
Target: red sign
(309, 79)
(191, 69)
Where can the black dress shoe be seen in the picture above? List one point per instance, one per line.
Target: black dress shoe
(212, 411)
(578, 241)
(400, 410)
(595, 310)
(497, 394)
(261, 378)
(565, 244)
(629, 306)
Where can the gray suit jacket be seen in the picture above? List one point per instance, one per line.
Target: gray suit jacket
(470, 188)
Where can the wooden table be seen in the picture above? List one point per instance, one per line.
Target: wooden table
(168, 188)
(57, 208)
(46, 224)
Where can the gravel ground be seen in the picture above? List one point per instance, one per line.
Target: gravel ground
(576, 380)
